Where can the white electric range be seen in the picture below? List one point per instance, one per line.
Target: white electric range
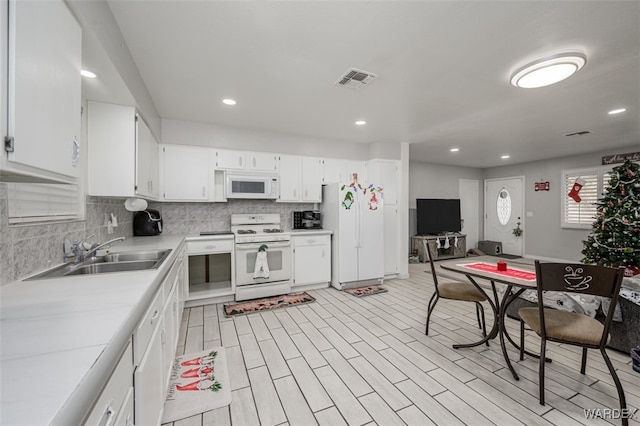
(252, 231)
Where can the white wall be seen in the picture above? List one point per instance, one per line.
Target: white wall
(203, 134)
(543, 236)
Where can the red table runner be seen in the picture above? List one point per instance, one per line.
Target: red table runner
(510, 272)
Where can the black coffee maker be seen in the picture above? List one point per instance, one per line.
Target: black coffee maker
(147, 222)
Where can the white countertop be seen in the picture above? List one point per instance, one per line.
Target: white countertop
(61, 337)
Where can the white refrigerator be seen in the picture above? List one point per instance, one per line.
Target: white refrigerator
(354, 213)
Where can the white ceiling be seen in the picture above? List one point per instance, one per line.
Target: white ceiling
(443, 68)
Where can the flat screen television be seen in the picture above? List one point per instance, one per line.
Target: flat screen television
(437, 216)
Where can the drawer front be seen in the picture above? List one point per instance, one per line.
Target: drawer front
(114, 394)
(170, 279)
(145, 328)
(210, 246)
(311, 240)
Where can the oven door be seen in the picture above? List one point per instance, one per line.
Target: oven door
(278, 258)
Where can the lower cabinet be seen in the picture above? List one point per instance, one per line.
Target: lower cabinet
(114, 405)
(311, 260)
(148, 382)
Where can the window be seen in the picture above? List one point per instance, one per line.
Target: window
(503, 206)
(38, 202)
(590, 185)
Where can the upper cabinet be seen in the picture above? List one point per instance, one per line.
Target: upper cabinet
(243, 160)
(123, 154)
(300, 179)
(185, 173)
(44, 92)
(385, 173)
(336, 170)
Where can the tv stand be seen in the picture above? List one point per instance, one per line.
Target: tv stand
(440, 253)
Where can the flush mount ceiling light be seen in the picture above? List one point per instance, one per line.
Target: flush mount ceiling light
(87, 73)
(549, 70)
(504, 157)
(617, 111)
(229, 102)
(360, 123)
(454, 149)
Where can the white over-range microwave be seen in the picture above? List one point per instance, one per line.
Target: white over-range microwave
(252, 186)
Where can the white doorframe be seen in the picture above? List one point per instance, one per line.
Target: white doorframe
(516, 243)
(470, 210)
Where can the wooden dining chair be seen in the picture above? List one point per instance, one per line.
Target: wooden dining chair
(568, 327)
(454, 290)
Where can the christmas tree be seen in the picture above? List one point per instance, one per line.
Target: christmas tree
(615, 238)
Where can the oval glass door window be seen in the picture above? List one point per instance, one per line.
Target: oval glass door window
(503, 206)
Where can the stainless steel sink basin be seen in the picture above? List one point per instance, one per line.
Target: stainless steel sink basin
(101, 268)
(128, 256)
(113, 262)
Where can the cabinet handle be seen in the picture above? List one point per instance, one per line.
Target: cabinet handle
(155, 316)
(109, 415)
(128, 421)
(203, 191)
(240, 161)
(210, 247)
(323, 253)
(306, 193)
(311, 241)
(295, 193)
(254, 162)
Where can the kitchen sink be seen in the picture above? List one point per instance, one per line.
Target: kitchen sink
(113, 262)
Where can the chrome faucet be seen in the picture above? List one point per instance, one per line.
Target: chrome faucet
(78, 248)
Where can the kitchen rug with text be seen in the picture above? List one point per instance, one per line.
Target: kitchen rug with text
(366, 290)
(199, 383)
(267, 303)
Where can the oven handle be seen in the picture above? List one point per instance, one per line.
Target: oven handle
(256, 246)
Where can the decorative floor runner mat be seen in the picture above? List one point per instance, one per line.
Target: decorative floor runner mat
(366, 291)
(266, 304)
(199, 383)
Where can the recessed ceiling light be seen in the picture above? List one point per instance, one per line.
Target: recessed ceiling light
(360, 123)
(228, 101)
(617, 111)
(454, 149)
(87, 73)
(504, 157)
(549, 70)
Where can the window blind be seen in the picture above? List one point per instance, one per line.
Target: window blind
(37, 202)
(580, 214)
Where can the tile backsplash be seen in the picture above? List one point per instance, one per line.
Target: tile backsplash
(25, 250)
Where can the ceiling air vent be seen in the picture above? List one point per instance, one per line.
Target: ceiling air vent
(356, 79)
(582, 133)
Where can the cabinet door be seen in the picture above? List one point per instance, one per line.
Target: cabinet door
(149, 383)
(262, 161)
(290, 187)
(312, 260)
(311, 180)
(144, 152)
(112, 150)
(335, 170)
(231, 160)
(170, 336)
(186, 173)
(44, 86)
(391, 249)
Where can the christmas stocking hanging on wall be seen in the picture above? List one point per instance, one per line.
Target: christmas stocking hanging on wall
(577, 186)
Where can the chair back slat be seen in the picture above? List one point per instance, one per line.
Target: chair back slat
(579, 278)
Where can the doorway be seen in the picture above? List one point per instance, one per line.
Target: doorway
(503, 212)
(469, 206)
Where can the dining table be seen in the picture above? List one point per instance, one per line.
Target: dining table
(518, 275)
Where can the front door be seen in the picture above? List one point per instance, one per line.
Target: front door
(503, 210)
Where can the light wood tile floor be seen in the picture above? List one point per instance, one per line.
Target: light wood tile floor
(358, 361)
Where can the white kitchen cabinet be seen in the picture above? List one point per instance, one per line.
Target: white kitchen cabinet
(123, 153)
(360, 168)
(311, 259)
(170, 326)
(44, 92)
(149, 389)
(112, 403)
(300, 179)
(185, 173)
(246, 160)
(334, 170)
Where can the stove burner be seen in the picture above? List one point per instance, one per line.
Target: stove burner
(246, 231)
(272, 231)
